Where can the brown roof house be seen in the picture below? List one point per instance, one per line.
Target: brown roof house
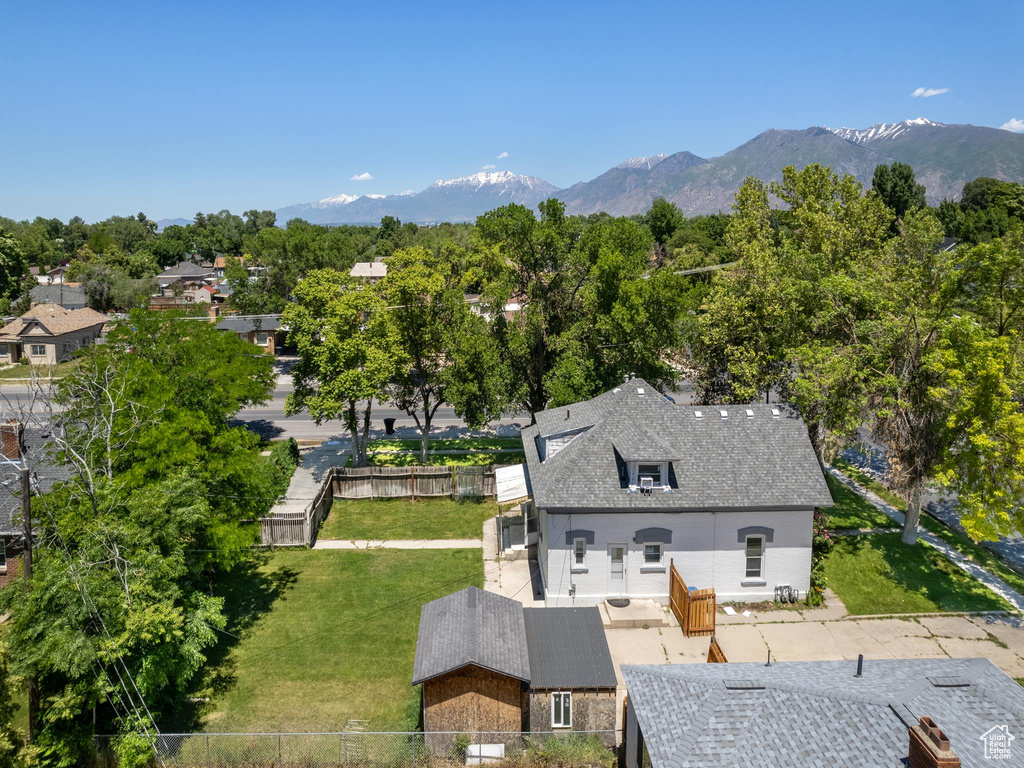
(493, 670)
(49, 334)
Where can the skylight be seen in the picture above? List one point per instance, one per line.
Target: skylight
(775, 413)
(750, 413)
(640, 391)
(723, 413)
(698, 414)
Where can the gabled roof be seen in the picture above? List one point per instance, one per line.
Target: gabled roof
(471, 627)
(45, 474)
(764, 461)
(53, 320)
(249, 323)
(811, 713)
(183, 269)
(568, 649)
(63, 294)
(369, 269)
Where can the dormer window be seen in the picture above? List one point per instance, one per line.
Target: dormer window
(652, 471)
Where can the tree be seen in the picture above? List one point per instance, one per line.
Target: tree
(663, 219)
(13, 266)
(439, 342)
(10, 739)
(898, 188)
(256, 221)
(348, 353)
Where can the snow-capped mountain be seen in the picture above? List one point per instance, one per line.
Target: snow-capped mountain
(459, 199)
(643, 162)
(881, 131)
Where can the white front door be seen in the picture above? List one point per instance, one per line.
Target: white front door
(617, 569)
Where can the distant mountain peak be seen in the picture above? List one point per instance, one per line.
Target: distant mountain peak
(341, 199)
(490, 178)
(647, 162)
(881, 131)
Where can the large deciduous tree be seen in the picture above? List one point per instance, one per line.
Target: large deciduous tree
(348, 353)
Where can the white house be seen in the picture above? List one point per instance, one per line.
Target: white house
(628, 482)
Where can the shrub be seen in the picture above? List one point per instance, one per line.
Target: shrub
(821, 545)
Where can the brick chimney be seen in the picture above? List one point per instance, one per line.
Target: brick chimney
(929, 747)
(10, 439)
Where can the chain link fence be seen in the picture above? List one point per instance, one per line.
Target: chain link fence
(566, 749)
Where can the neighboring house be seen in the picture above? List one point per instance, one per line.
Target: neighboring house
(627, 483)
(185, 273)
(262, 330)
(487, 664)
(369, 271)
(49, 334)
(66, 295)
(922, 713)
(18, 444)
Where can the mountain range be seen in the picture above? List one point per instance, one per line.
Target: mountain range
(943, 157)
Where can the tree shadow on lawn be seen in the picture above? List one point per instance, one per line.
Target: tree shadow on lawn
(249, 593)
(923, 574)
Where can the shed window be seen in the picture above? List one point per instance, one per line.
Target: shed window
(755, 557)
(652, 554)
(652, 471)
(37, 350)
(580, 552)
(561, 710)
(262, 338)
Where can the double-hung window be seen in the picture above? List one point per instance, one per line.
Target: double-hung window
(579, 554)
(652, 554)
(262, 338)
(755, 557)
(37, 350)
(561, 710)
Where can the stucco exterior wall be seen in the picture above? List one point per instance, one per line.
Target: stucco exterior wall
(57, 349)
(706, 548)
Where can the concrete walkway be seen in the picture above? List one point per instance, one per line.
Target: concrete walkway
(398, 544)
(991, 581)
(309, 475)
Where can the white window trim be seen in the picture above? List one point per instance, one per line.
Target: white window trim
(555, 709)
(575, 567)
(265, 342)
(661, 553)
(634, 472)
(33, 353)
(759, 579)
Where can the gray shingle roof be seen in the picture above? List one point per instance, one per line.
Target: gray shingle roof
(249, 323)
(183, 269)
(568, 649)
(67, 296)
(47, 473)
(761, 462)
(471, 627)
(815, 713)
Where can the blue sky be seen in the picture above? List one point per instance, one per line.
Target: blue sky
(120, 107)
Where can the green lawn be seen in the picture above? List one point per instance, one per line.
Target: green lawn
(38, 371)
(436, 518)
(853, 511)
(876, 573)
(446, 443)
(442, 459)
(325, 636)
(973, 551)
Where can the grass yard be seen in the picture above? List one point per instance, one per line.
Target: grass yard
(325, 636)
(446, 443)
(973, 551)
(37, 371)
(878, 574)
(853, 511)
(442, 459)
(436, 518)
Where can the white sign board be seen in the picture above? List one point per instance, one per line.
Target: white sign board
(511, 482)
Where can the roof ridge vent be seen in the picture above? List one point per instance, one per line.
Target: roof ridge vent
(743, 685)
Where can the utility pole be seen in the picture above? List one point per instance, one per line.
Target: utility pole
(26, 574)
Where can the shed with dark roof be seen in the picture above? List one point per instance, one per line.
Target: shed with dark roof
(488, 664)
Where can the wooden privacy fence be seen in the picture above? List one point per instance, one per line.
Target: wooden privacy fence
(695, 610)
(715, 653)
(299, 529)
(414, 482)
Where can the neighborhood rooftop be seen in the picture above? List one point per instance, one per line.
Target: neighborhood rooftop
(816, 712)
(35, 442)
(719, 457)
(568, 649)
(249, 323)
(53, 319)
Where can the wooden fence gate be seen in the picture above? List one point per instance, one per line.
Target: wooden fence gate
(695, 610)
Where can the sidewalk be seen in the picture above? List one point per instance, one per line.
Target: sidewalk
(305, 483)
(399, 544)
(991, 581)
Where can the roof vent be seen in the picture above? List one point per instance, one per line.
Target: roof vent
(616, 390)
(750, 413)
(775, 413)
(698, 415)
(743, 685)
(723, 413)
(639, 391)
(950, 682)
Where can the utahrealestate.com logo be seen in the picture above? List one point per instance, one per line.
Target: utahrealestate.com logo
(997, 742)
